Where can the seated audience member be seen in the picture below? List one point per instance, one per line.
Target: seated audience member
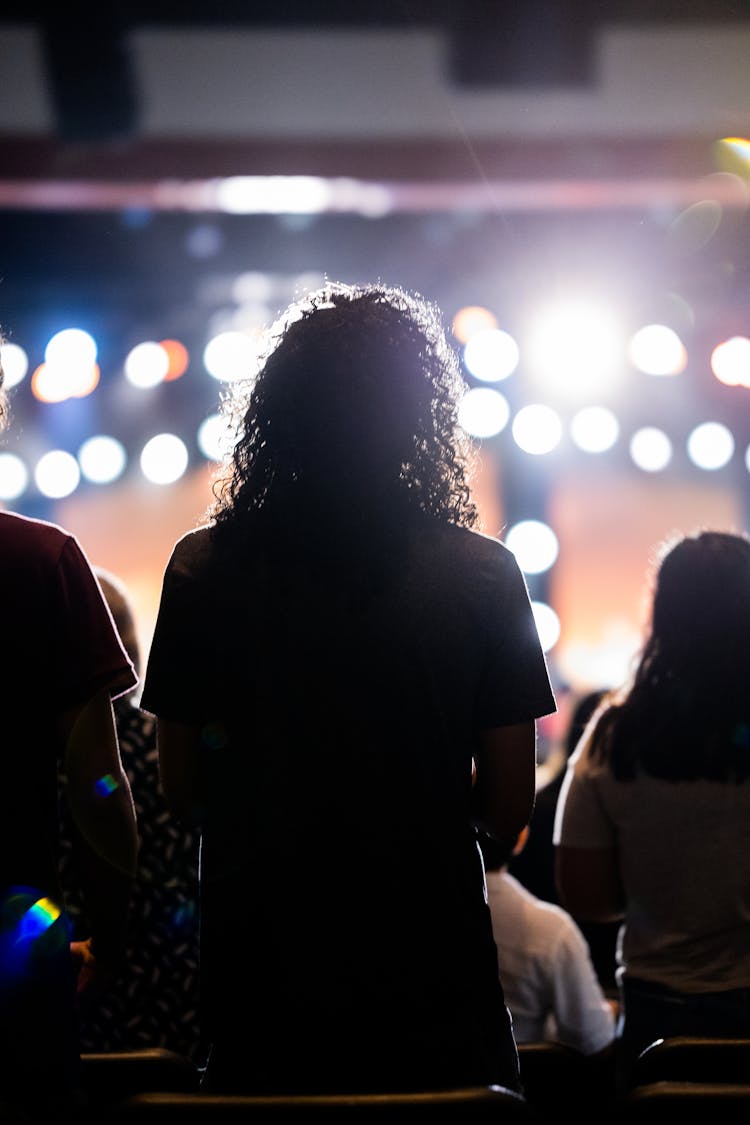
(534, 864)
(550, 984)
(653, 822)
(153, 999)
(61, 665)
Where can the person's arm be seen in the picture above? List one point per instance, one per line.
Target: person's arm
(587, 859)
(505, 778)
(178, 746)
(104, 836)
(589, 884)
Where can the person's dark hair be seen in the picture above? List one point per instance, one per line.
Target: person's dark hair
(120, 605)
(583, 711)
(496, 850)
(686, 714)
(354, 407)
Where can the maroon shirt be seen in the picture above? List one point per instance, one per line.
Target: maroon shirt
(58, 648)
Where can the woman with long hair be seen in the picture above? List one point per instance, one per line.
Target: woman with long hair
(333, 649)
(653, 821)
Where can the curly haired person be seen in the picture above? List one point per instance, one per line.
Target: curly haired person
(332, 649)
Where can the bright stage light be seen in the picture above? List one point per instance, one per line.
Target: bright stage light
(15, 364)
(232, 355)
(69, 370)
(491, 355)
(575, 349)
(483, 413)
(72, 347)
(594, 429)
(656, 349)
(215, 438)
(470, 320)
(650, 449)
(102, 459)
(534, 545)
(273, 195)
(537, 429)
(147, 364)
(710, 445)
(730, 361)
(547, 625)
(14, 476)
(164, 459)
(57, 474)
(178, 359)
(60, 381)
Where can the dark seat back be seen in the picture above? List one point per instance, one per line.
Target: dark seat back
(693, 1059)
(494, 1103)
(689, 1103)
(110, 1076)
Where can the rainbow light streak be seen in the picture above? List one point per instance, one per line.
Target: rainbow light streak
(38, 918)
(105, 785)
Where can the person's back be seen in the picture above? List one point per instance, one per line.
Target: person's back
(61, 664)
(342, 648)
(549, 980)
(331, 777)
(534, 864)
(654, 817)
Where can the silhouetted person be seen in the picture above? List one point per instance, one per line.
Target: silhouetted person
(534, 865)
(329, 654)
(550, 983)
(61, 665)
(654, 816)
(153, 999)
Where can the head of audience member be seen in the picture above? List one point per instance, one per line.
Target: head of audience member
(686, 713)
(498, 851)
(355, 406)
(701, 603)
(582, 712)
(120, 606)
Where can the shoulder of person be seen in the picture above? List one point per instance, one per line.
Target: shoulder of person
(477, 545)
(29, 536)
(193, 551)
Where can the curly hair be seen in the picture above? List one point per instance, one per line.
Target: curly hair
(356, 399)
(686, 714)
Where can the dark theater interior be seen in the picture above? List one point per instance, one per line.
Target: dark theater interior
(567, 180)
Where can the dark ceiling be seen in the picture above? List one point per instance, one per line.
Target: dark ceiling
(527, 44)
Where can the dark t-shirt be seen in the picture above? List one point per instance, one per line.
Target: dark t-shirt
(59, 648)
(340, 876)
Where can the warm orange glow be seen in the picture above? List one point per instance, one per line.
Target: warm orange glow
(56, 384)
(470, 320)
(89, 383)
(178, 359)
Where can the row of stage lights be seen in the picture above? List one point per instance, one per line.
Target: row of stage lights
(102, 459)
(574, 353)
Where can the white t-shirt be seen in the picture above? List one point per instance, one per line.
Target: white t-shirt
(684, 853)
(550, 984)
